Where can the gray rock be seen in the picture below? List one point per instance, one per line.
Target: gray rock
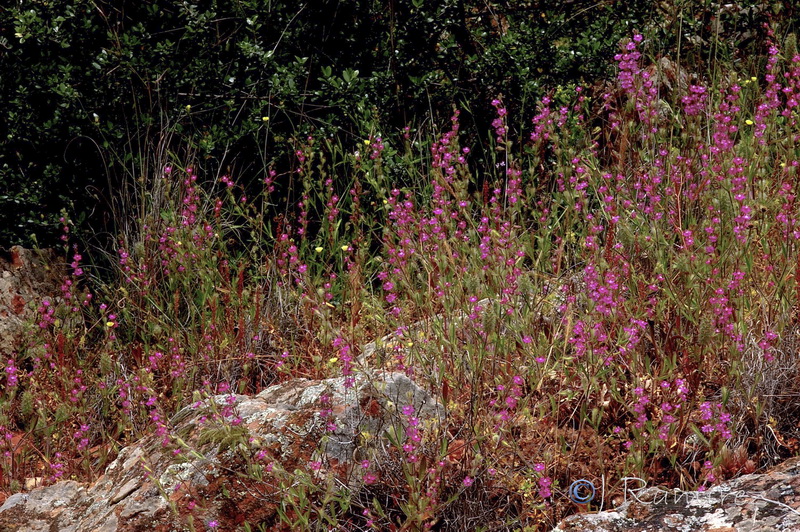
(750, 503)
(151, 487)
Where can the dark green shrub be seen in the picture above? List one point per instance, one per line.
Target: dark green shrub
(100, 92)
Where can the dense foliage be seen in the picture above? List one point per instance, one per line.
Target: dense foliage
(254, 190)
(611, 292)
(96, 93)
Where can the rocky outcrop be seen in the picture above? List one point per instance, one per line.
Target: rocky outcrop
(758, 502)
(26, 276)
(195, 476)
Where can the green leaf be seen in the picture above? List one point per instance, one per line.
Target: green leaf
(699, 434)
(349, 75)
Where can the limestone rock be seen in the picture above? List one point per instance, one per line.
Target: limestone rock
(758, 502)
(153, 485)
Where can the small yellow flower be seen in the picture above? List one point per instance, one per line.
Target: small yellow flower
(188, 108)
(753, 78)
(333, 360)
(783, 165)
(179, 242)
(109, 324)
(366, 142)
(318, 249)
(409, 344)
(748, 122)
(385, 202)
(265, 119)
(345, 247)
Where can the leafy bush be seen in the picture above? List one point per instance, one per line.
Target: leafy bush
(96, 90)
